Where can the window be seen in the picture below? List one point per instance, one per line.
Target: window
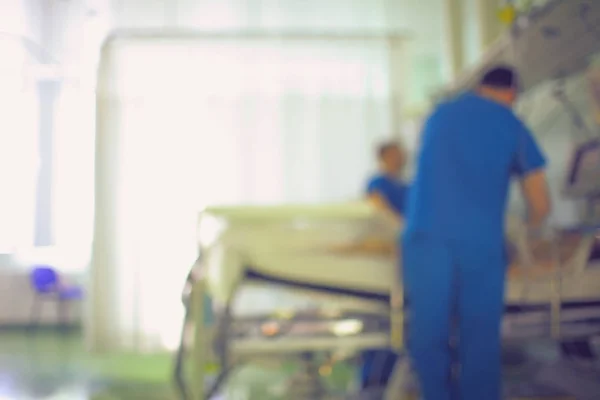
(46, 165)
(19, 156)
(60, 213)
(187, 123)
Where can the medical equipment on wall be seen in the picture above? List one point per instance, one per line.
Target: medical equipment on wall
(584, 172)
(552, 41)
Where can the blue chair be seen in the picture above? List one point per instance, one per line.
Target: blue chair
(47, 286)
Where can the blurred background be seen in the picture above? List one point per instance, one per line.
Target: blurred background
(173, 105)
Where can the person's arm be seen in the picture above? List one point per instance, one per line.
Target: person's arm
(534, 187)
(380, 202)
(530, 168)
(377, 198)
(369, 244)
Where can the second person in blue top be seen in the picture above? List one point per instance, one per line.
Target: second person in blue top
(388, 192)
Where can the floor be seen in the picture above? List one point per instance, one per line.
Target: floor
(56, 367)
(48, 366)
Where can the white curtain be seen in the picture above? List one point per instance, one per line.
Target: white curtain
(187, 123)
(73, 176)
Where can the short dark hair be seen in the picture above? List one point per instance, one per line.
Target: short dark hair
(383, 148)
(501, 77)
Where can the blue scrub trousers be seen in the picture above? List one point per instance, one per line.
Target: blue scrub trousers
(455, 289)
(377, 367)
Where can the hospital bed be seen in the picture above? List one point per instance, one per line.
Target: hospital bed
(331, 260)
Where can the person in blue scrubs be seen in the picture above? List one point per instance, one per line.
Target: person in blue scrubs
(386, 189)
(453, 248)
(387, 192)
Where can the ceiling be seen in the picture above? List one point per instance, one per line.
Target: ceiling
(69, 20)
(69, 33)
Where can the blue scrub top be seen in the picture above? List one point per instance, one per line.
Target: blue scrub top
(470, 149)
(393, 190)
(378, 365)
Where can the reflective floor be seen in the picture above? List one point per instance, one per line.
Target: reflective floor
(54, 367)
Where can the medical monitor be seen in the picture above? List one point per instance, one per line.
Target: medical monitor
(583, 175)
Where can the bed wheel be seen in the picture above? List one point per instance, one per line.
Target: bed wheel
(577, 349)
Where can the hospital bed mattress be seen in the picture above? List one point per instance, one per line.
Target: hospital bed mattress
(357, 276)
(295, 253)
(289, 277)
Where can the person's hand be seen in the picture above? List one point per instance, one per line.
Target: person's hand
(539, 246)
